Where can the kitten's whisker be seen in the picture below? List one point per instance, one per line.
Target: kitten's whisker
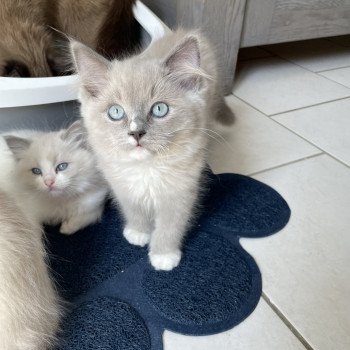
(206, 131)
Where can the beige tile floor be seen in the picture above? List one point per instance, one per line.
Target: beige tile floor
(292, 132)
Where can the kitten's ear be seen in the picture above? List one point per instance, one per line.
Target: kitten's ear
(184, 63)
(75, 134)
(91, 67)
(17, 145)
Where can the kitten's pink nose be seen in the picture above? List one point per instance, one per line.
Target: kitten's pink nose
(49, 183)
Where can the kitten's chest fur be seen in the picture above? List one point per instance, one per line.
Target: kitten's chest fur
(144, 180)
(148, 183)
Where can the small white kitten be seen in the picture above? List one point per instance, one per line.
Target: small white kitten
(55, 179)
(147, 120)
(29, 305)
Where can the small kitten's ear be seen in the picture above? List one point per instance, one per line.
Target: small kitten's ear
(91, 67)
(17, 145)
(75, 134)
(184, 62)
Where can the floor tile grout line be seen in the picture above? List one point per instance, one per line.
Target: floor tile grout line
(313, 144)
(284, 319)
(322, 151)
(337, 160)
(331, 69)
(309, 70)
(334, 80)
(290, 110)
(278, 123)
(310, 106)
(247, 103)
(317, 73)
(286, 164)
(298, 135)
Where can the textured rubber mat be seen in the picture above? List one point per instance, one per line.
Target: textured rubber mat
(120, 302)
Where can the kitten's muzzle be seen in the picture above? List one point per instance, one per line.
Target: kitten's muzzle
(137, 135)
(49, 183)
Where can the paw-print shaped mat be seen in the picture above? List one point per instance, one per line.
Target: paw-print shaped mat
(119, 302)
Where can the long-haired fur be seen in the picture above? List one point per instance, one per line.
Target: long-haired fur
(30, 43)
(153, 164)
(29, 305)
(75, 197)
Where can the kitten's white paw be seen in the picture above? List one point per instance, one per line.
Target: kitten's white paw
(166, 261)
(136, 237)
(67, 228)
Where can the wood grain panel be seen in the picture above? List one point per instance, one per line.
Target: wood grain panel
(257, 21)
(275, 21)
(221, 21)
(308, 4)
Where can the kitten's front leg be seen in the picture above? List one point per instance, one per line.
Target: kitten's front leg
(80, 220)
(86, 211)
(138, 226)
(172, 218)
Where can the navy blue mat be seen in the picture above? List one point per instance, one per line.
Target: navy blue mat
(119, 302)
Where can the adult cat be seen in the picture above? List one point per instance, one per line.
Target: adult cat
(31, 47)
(29, 305)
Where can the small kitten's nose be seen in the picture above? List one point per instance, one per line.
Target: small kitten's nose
(49, 182)
(137, 134)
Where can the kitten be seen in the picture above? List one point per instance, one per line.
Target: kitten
(55, 179)
(146, 119)
(29, 306)
(25, 39)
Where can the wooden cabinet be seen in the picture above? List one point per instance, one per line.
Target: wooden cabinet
(276, 21)
(232, 24)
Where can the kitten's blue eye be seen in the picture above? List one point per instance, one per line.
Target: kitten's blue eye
(160, 109)
(116, 112)
(61, 167)
(36, 171)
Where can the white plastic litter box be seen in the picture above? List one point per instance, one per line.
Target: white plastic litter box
(50, 103)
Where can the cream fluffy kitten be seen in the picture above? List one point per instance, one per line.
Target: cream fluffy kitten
(55, 179)
(147, 120)
(29, 305)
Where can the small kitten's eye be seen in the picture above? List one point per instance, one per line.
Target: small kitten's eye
(160, 110)
(61, 167)
(36, 171)
(116, 112)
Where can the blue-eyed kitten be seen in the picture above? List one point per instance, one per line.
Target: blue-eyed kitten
(147, 119)
(55, 179)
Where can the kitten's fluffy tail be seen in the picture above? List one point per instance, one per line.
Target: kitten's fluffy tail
(29, 305)
(224, 114)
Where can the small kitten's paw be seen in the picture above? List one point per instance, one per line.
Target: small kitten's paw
(136, 237)
(67, 228)
(166, 261)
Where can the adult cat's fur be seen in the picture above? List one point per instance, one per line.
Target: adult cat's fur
(105, 25)
(29, 306)
(25, 39)
(74, 197)
(155, 179)
(30, 48)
